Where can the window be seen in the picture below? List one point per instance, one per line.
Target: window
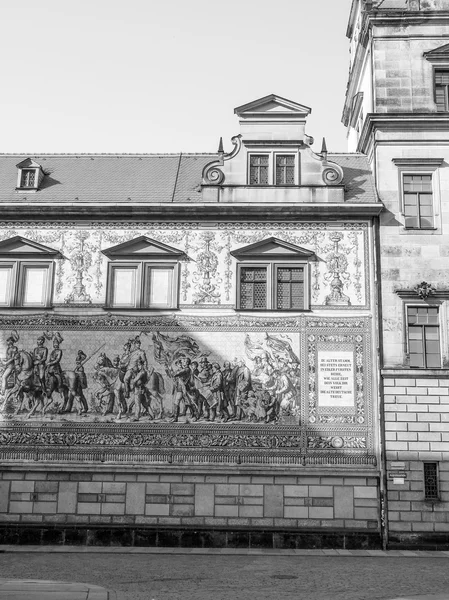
(143, 273)
(418, 201)
(258, 169)
(28, 178)
(26, 273)
(24, 283)
(143, 285)
(285, 169)
(431, 491)
(272, 287)
(29, 175)
(272, 275)
(442, 90)
(423, 337)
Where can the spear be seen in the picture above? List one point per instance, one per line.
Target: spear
(93, 354)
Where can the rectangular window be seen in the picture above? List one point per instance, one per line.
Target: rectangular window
(5, 285)
(442, 90)
(28, 178)
(424, 337)
(253, 288)
(258, 169)
(431, 491)
(290, 288)
(418, 201)
(24, 283)
(273, 286)
(142, 284)
(285, 170)
(34, 286)
(124, 286)
(159, 287)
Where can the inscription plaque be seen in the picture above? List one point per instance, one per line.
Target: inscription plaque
(335, 378)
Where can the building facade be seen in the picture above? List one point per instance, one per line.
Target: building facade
(396, 112)
(189, 344)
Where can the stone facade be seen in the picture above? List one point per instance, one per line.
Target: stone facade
(405, 133)
(201, 354)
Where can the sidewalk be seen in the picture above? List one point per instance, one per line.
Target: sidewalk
(221, 551)
(33, 589)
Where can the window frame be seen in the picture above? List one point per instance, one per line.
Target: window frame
(428, 497)
(408, 339)
(405, 174)
(444, 68)
(142, 293)
(17, 289)
(420, 166)
(276, 155)
(259, 154)
(272, 287)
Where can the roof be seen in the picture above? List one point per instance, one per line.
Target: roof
(150, 178)
(358, 179)
(143, 178)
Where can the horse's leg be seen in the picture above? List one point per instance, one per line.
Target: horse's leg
(20, 397)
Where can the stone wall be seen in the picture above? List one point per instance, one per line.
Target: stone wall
(417, 430)
(138, 499)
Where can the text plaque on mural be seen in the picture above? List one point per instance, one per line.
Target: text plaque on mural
(335, 378)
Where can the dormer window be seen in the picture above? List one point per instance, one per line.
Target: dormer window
(143, 274)
(285, 169)
(30, 175)
(28, 178)
(258, 169)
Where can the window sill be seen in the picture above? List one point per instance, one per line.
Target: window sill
(20, 307)
(139, 308)
(26, 190)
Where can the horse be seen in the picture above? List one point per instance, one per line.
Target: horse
(111, 378)
(26, 383)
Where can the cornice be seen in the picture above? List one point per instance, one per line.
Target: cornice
(401, 17)
(178, 212)
(406, 121)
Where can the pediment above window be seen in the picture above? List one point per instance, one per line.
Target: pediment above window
(273, 249)
(272, 104)
(143, 248)
(438, 55)
(19, 247)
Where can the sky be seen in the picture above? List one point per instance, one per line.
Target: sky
(147, 76)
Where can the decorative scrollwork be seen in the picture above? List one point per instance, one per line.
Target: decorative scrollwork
(214, 176)
(332, 176)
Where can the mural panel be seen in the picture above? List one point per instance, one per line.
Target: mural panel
(290, 388)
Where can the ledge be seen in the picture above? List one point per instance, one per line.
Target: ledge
(436, 295)
(419, 373)
(177, 211)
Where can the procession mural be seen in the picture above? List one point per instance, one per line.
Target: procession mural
(338, 277)
(151, 376)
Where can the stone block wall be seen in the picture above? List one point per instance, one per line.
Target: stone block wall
(144, 499)
(417, 430)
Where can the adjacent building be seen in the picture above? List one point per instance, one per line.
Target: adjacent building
(396, 112)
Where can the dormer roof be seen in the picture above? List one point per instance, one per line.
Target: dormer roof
(28, 163)
(272, 105)
(143, 248)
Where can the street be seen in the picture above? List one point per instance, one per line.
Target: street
(213, 576)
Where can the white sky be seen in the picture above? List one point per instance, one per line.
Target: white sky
(166, 75)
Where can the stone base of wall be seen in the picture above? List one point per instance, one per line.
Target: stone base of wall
(418, 541)
(95, 497)
(190, 537)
